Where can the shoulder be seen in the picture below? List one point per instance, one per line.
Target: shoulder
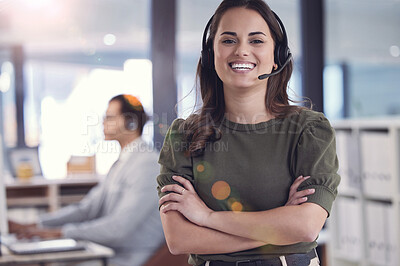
(141, 152)
(177, 126)
(316, 126)
(306, 118)
(176, 131)
(175, 139)
(311, 123)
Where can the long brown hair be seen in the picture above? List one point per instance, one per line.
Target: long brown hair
(200, 127)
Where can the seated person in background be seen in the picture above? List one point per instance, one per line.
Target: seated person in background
(122, 211)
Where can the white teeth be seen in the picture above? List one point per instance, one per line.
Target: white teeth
(242, 66)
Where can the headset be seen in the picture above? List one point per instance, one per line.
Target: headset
(282, 54)
(131, 123)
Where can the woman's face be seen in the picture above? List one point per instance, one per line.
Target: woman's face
(243, 48)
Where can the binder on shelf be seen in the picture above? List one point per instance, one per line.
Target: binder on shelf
(349, 228)
(391, 233)
(376, 242)
(348, 156)
(376, 163)
(365, 225)
(341, 245)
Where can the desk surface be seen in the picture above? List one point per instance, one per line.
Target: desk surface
(92, 252)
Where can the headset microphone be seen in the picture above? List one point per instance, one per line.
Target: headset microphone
(264, 76)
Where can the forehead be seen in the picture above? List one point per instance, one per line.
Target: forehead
(114, 107)
(242, 19)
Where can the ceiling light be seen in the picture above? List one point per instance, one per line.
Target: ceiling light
(394, 51)
(109, 39)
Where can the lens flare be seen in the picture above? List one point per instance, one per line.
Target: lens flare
(221, 190)
(200, 168)
(237, 206)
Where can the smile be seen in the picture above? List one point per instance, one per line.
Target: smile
(242, 66)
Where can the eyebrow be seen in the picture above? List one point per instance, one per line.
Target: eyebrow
(250, 34)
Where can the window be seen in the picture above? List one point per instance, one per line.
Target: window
(65, 105)
(363, 39)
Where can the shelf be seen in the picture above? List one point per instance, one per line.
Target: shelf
(48, 193)
(349, 192)
(378, 198)
(65, 200)
(376, 264)
(27, 201)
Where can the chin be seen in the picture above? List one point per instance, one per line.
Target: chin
(244, 83)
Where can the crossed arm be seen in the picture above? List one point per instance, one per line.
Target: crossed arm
(186, 218)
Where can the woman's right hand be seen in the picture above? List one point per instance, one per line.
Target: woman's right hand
(298, 197)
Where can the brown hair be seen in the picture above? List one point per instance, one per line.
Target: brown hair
(200, 128)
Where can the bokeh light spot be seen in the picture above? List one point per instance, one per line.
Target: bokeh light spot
(221, 190)
(203, 171)
(394, 51)
(109, 39)
(200, 168)
(237, 206)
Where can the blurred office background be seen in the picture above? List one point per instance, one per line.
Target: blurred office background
(62, 60)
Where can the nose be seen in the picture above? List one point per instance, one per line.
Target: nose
(242, 49)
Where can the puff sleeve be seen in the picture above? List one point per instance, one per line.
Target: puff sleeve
(316, 157)
(174, 158)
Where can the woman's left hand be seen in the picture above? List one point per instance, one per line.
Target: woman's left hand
(186, 201)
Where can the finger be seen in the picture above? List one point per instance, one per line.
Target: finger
(297, 183)
(186, 183)
(296, 201)
(305, 178)
(172, 188)
(170, 207)
(169, 197)
(299, 201)
(303, 193)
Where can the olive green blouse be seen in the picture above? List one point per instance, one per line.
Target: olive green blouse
(252, 167)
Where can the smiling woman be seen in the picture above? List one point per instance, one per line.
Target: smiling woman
(264, 199)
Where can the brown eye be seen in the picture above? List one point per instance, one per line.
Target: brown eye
(257, 41)
(229, 41)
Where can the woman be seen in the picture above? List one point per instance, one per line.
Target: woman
(227, 172)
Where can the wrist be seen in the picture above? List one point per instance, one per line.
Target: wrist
(208, 221)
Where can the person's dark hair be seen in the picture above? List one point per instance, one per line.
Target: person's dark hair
(200, 127)
(132, 111)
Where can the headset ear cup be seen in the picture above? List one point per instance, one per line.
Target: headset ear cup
(207, 58)
(281, 55)
(277, 55)
(131, 124)
(204, 58)
(211, 59)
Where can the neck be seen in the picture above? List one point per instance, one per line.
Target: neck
(246, 106)
(128, 139)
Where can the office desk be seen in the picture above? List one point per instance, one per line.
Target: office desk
(92, 252)
(53, 194)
